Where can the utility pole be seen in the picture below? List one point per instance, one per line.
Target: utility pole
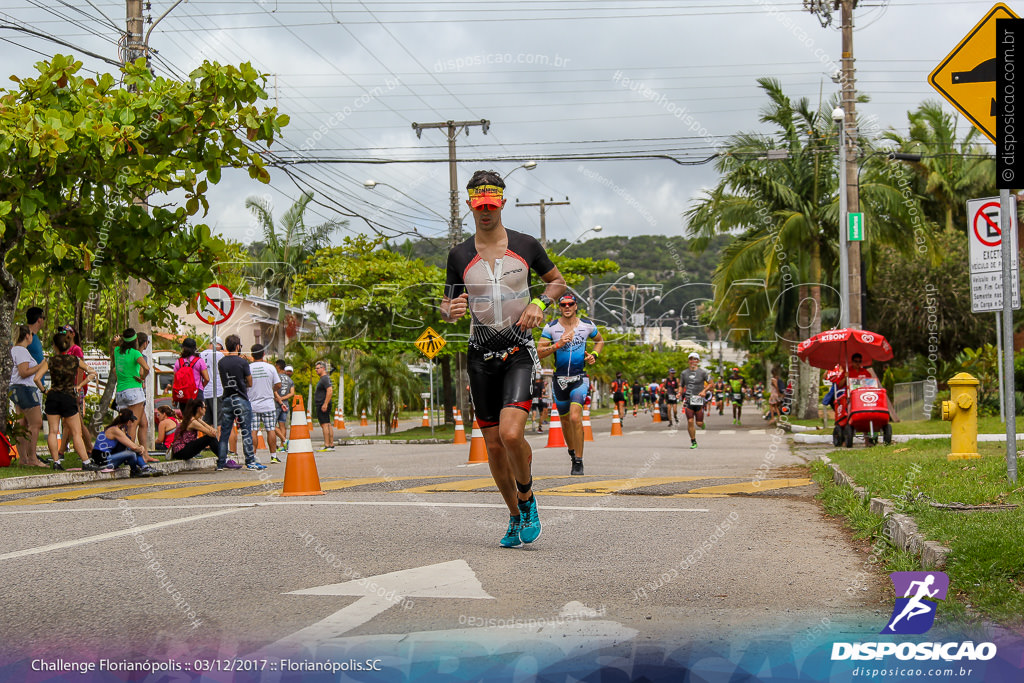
(848, 102)
(452, 128)
(543, 205)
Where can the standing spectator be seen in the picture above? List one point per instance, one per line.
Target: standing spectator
(190, 374)
(774, 395)
(26, 398)
(36, 320)
(166, 425)
(322, 400)
(62, 399)
(285, 393)
(144, 420)
(216, 348)
(81, 381)
(131, 369)
(263, 398)
(237, 378)
(193, 435)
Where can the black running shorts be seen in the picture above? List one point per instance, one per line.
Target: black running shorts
(496, 384)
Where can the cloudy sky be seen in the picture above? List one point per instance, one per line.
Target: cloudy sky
(555, 78)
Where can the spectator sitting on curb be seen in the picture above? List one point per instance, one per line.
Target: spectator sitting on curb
(194, 435)
(114, 446)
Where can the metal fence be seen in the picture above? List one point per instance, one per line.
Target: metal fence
(914, 400)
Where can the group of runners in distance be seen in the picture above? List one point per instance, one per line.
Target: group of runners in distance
(488, 276)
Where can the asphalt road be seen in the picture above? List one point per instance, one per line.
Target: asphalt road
(656, 548)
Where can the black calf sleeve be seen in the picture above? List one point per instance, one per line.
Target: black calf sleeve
(523, 488)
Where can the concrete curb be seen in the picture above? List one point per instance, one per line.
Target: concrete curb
(900, 529)
(899, 438)
(86, 477)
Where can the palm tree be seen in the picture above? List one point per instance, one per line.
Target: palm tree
(953, 170)
(784, 215)
(283, 253)
(386, 384)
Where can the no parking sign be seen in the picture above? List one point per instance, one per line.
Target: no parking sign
(215, 305)
(985, 236)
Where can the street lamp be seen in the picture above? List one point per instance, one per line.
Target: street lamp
(667, 314)
(839, 116)
(593, 302)
(596, 228)
(371, 184)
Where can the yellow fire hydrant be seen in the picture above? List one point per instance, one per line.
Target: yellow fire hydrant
(962, 411)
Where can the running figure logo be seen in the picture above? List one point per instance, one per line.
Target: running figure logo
(914, 612)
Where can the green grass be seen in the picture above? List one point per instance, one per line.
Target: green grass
(19, 471)
(984, 567)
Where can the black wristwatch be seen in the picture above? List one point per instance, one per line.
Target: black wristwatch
(546, 300)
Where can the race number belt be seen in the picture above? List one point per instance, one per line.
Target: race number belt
(736, 396)
(564, 382)
(695, 400)
(503, 355)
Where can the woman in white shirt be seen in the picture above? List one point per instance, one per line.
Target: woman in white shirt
(26, 399)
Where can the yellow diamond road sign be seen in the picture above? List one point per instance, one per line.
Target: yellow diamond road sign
(430, 342)
(967, 76)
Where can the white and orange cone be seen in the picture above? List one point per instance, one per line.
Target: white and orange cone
(555, 436)
(616, 425)
(426, 418)
(339, 419)
(460, 429)
(300, 475)
(588, 431)
(477, 447)
(362, 419)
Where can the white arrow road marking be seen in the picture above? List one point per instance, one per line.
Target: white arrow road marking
(453, 579)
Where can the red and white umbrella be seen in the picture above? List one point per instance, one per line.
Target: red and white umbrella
(827, 349)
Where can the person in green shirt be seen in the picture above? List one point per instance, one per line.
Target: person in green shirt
(131, 369)
(738, 388)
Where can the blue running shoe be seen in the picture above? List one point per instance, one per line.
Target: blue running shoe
(511, 539)
(255, 466)
(529, 522)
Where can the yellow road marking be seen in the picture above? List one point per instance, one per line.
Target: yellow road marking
(188, 492)
(608, 486)
(334, 485)
(753, 486)
(91, 491)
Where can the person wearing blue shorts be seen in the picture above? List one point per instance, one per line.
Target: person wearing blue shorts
(566, 336)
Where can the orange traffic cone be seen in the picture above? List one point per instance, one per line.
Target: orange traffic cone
(460, 429)
(616, 425)
(426, 418)
(300, 475)
(394, 423)
(261, 444)
(555, 437)
(477, 447)
(588, 432)
(362, 419)
(339, 419)
(656, 413)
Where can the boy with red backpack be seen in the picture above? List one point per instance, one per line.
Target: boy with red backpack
(190, 375)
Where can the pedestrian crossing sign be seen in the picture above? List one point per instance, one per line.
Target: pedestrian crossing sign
(430, 343)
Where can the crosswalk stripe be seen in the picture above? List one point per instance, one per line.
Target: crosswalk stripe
(91, 491)
(465, 485)
(585, 488)
(190, 491)
(753, 486)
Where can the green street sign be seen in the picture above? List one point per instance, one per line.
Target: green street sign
(856, 227)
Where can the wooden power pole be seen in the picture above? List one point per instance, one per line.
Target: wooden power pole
(543, 205)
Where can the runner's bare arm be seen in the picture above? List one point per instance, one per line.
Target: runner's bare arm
(545, 347)
(453, 309)
(591, 357)
(533, 315)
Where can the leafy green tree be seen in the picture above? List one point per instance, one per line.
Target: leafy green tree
(285, 250)
(786, 212)
(81, 155)
(386, 384)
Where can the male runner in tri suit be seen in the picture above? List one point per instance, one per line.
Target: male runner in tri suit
(489, 275)
(738, 387)
(695, 381)
(636, 395)
(720, 392)
(566, 336)
(618, 387)
(671, 385)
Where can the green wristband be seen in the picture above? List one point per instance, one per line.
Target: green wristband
(539, 304)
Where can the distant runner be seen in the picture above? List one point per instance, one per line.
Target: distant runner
(566, 336)
(695, 382)
(671, 391)
(738, 387)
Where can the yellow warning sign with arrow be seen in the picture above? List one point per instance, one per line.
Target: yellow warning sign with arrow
(430, 343)
(967, 76)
